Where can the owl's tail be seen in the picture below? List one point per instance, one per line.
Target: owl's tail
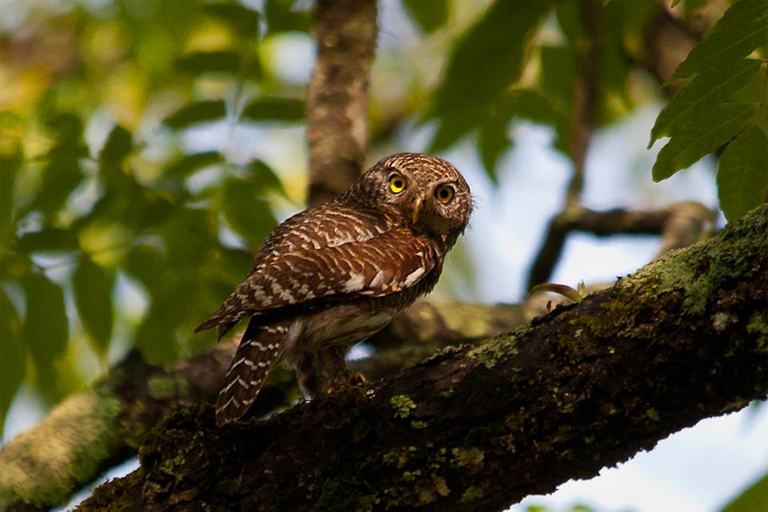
(259, 350)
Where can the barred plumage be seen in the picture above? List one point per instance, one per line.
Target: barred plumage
(333, 275)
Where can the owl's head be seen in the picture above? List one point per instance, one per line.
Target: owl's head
(426, 189)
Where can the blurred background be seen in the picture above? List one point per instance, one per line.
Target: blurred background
(147, 147)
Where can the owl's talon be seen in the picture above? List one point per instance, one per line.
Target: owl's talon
(357, 380)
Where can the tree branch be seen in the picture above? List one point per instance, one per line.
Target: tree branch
(679, 225)
(337, 102)
(94, 430)
(479, 428)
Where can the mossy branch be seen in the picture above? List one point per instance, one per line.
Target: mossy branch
(91, 431)
(479, 428)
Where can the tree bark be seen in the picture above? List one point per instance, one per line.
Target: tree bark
(479, 428)
(337, 102)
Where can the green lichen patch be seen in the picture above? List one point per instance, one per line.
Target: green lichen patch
(467, 457)
(497, 349)
(472, 493)
(403, 405)
(758, 326)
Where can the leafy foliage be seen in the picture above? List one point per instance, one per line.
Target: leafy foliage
(723, 103)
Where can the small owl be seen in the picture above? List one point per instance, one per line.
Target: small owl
(337, 273)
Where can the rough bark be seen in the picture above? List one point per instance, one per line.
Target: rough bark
(106, 424)
(337, 102)
(479, 428)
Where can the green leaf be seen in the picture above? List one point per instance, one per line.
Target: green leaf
(93, 297)
(742, 173)
(61, 173)
(742, 29)
(243, 20)
(10, 163)
(46, 328)
(695, 99)
(221, 61)
(156, 337)
(707, 132)
(246, 211)
(275, 109)
(429, 15)
(189, 164)
(486, 60)
(13, 361)
(146, 263)
(199, 112)
(118, 145)
(48, 240)
(557, 71)
(754, 498)
(282, 17)
(493, 137)
(261, 173)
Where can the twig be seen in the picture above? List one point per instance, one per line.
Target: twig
(337, 102)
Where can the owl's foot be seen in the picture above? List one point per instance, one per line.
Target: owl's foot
(357, 380)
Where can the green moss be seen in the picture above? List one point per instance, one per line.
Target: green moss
(472, 493)
(497, 349)
(652, 414)
(345, 495)
(467, 457)
(403, 405)
(701, 270)
(418, 425)
(758, 326)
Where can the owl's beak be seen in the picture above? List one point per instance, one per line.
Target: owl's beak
(416, 209)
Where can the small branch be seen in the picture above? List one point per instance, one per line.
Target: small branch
(477, 429)
(337, 102)
(94, 430)
(679, 225)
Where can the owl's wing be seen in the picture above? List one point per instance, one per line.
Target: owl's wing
(346, 255)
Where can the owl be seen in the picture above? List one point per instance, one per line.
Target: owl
(337, 273)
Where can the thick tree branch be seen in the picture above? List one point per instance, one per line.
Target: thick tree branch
(479, 428)
(337, 103)
(105, 425)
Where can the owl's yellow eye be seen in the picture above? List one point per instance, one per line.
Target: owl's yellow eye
(444, 194)
(396, 183)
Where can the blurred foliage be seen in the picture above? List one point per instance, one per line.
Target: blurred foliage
(754, 497)
(723, 103)
(118, 229)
